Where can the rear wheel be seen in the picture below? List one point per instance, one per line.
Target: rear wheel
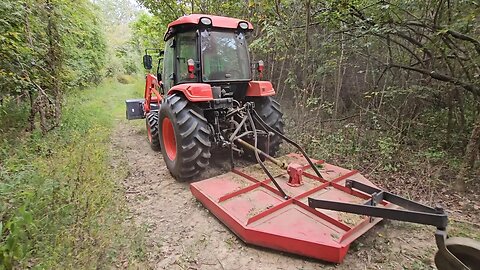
(269, 110)
(152, 130)
(465, 249)
(185, 137)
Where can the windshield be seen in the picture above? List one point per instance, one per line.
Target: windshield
(225, 56)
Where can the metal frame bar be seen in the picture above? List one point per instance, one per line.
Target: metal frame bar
(285, 138)
(413, 212)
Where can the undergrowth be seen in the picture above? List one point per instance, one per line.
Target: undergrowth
(417, 166)
(61, 202)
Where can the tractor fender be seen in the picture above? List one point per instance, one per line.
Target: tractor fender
(194, 92)
(260, 89)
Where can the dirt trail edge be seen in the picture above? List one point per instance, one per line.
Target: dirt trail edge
(182, 234)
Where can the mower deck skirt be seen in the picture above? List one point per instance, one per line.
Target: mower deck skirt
(250, 205)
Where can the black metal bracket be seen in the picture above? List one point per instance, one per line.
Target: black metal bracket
(412, 211)
(288, 140)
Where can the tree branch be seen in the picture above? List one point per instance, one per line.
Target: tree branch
(474, 89)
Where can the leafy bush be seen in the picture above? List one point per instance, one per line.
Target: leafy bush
(60, 205)
(125, 79)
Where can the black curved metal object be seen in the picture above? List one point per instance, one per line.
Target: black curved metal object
(451, 254)
(285, 138)
(411, 212)
(260, 162)
(251, 116)
(465, 250)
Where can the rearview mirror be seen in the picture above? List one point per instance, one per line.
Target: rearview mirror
(147, 61)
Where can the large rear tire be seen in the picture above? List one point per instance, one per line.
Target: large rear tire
(152, 130)
(185, 137)
(269, 110)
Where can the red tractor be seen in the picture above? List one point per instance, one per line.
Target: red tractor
(208, 99)
(207, 75)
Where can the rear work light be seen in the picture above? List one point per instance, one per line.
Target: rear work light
(260, 68)
(243, 25)
(191, 68)
(206, 21)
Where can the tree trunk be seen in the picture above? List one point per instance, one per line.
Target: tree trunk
(339, 81)
(306, 68)
(54, 64)
(471, 153)
(31, 117)
(449, 119)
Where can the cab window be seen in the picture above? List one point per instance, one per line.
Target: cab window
(168, 73)
(186, 49)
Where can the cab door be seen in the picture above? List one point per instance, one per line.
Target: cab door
(168, 65)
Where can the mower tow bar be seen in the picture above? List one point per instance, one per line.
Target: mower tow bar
(467, 251)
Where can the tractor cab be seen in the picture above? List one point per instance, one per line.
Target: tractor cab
(208, 49)
(197, 102)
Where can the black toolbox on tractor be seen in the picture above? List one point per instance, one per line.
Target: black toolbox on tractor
(135, 109)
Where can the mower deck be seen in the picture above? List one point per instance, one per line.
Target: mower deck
(257, 213)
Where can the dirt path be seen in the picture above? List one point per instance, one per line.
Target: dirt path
(182, 234)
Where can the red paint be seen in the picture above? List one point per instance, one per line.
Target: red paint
(262, 217)
(217, 21)
(295, 172)
(195, 92)
(168, 135)
(260, 89)
(191, 68)
(151, 88)
(260, 68)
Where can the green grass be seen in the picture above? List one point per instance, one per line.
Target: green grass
(61, 200)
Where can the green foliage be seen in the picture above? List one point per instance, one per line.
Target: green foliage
(125, 79)
(48, 47)
(148, 31)
(24, 42)
(123, 50)
(388, 147)
(84, 44)
(60, 205)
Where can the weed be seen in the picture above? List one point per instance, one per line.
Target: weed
(125, 79)
(60, 205)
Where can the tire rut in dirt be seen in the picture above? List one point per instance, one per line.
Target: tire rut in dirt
(152, 129)
(191, 137)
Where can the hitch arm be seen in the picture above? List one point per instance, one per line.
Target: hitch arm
(285, 138)
(413, 212)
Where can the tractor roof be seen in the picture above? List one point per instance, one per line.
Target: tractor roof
(194, 19)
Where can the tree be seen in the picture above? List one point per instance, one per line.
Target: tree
(48, 46)
(434, 39)
(409, 68)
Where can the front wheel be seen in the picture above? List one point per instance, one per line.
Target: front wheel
(152, 130)
(184, 137)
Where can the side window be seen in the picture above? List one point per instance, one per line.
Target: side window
(186, 49)
(168, 74)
